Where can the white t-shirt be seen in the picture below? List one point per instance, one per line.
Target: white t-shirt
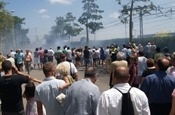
(69, 54)
(50, 52)
(141, 65)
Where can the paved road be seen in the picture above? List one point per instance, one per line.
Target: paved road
(102, 81)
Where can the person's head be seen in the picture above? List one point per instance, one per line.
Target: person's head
(150, 62)
(86, 47)
(63, 69)
(63, 57)
(6, 66)
(158, 49)
(120, 56)
(9, 56)
(49, 69)
(29, 91)
(27, 51)
(58, 48)
(91, 73)
(121, 75)
(45, 51)
(173, 59)
(40, 48)
(163, 64)
(36, 49)
(141, 53)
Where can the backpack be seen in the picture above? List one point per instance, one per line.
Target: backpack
(127, 106)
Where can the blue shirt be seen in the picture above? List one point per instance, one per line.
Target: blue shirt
(19, 57)
(158, 87)
(46, 92)
(82, 98)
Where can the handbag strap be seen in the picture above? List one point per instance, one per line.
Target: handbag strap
(70, 68)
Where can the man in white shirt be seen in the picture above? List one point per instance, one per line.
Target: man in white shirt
(12, 53)
(141, 65)
(69, 54)
(50, 55)
(110, 102)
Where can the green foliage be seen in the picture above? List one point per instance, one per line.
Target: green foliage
(64, 29)
(126, 8)
(11, 29)
(91, 15)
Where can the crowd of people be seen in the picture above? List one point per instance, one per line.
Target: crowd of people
(142, 80)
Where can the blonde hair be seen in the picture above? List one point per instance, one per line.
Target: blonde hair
(62, 69)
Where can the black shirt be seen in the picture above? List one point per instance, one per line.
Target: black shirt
(149, 72)
(11, 92)
(86, 54)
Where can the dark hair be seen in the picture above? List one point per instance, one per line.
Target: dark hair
(36, 49)
(58, 47)
(141, 53)
(29, 90)
(6, 65)
(45, 51)
(158, 49)
(150, 62)
(90, 72)
(163, 64)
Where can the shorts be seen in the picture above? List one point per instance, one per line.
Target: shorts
(86, 61)
(41, 60)
(36, 60)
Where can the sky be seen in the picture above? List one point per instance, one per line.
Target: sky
(40, 16)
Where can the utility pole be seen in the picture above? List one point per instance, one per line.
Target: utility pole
(141, 23)
(131, 23)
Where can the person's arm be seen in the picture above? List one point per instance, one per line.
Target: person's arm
(75, 76)
(67, 83)
(96, 96)
(102, 106)
(145, 106)
(26, 75)
(172, 112)
(39, 108)
(134, 76)
(145, 85)
(74, 72)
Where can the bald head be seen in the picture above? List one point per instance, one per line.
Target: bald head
(163, 64)
(121, 73)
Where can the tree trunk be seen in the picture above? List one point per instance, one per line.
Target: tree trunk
(87, 36)
(131, 23)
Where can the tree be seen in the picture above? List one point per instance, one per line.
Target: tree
(6, 25)
(72, 28)
(129, 9)
(65, 28)
(90, 17)
(20, 34)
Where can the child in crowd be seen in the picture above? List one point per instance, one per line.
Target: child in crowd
(31, 107)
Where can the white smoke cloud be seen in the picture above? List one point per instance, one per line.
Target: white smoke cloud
(61, 1)
(45, 16)
(42, 11)
(114, 15)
